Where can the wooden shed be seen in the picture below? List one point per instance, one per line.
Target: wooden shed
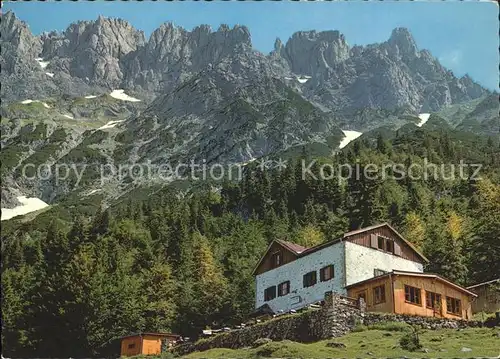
(414, 293)
(488, 299)
(147, 343)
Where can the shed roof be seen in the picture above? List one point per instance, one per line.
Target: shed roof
(164, 335)
(484, 283)
(415, 274)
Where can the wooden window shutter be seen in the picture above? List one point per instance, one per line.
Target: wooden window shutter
(397, 249)
(373, 241)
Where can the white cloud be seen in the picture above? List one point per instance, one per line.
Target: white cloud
(453, 58)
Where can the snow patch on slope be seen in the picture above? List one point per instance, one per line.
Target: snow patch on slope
(303, 79)
(26, 102)
(43, 64)
(249, 161)
(121, 95)
(349, 137)
(27, 205)
(50, 74)
(424, 117)
(110, 124)
(91, 96)
(70, 117)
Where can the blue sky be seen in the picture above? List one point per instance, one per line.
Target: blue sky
(463, 35)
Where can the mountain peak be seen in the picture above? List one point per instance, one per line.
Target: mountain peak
(328, 47)
(278, 45)
(19, 46)
(403, 40)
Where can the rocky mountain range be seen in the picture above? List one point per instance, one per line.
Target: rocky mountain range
(109, 53)
(205, 94)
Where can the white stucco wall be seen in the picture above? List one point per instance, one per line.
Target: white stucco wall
(361, 262)
(294, 272)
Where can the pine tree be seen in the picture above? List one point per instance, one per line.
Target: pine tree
(485, 245)
(209, 284)
(160, 289)
(414, 229)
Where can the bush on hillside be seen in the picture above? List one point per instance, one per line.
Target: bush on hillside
(410, 341)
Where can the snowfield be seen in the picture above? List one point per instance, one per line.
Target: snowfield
(50, 74)
(423, 119)
(91, 96)
(27, 205)
(26, 102)
(43, 64)
(70, 117)
(349, 137)
(110, 124)
(121, 95)
(249, 161)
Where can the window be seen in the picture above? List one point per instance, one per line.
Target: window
(389, 246)
(326, 273)
(432, 300)
(412, 295)
(309, 279)
(453, 306)
(384, 244)
(276, 259)
(379, 294)
(381, 241)
(131, 346)
(377, 272)
(283, 288)
(270, 293)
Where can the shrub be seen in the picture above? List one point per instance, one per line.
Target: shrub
(410, 341)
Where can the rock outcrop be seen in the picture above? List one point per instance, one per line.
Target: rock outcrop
(92, 50)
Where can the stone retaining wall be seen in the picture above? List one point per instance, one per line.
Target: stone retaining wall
(335, 319)
(423, 322)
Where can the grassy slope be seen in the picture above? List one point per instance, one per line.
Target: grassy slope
(446, 343)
